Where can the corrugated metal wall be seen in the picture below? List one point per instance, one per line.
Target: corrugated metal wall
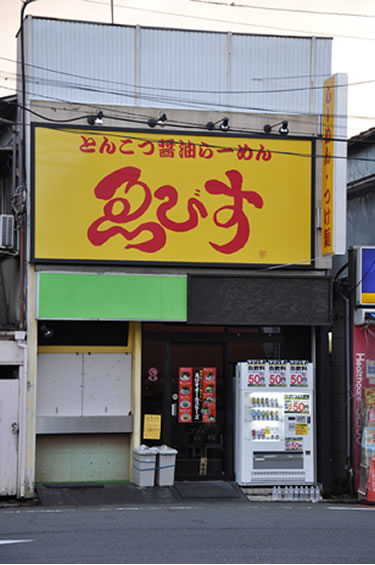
(122, 65)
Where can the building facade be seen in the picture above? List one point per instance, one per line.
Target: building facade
(163, 234)
(353, 320)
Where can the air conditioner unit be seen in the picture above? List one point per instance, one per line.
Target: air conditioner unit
(6, 231)
(363, 316)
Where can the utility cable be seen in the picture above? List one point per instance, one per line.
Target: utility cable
(290, 10)
(242, 23)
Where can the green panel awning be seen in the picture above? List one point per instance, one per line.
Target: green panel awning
(89, 296)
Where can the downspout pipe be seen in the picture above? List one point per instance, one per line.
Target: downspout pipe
(22, 322)
(348, 387)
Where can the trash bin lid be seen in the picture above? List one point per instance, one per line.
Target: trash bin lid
(145, 450)
(165, 450)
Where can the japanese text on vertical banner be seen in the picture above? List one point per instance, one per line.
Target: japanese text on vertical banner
(328, 166)
(197, 395)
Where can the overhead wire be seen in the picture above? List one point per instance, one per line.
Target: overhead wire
(172, 100)
(142, 118)
(191, 90)
(136, 117)
(241, 23)
(150, 137)
(122, 83)
(175, 100)
(187, 102)
(290, 10)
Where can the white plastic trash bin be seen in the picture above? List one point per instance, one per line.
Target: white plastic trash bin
(144, 464)
(166, 465)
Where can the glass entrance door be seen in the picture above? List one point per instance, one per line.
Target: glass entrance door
(197, 410)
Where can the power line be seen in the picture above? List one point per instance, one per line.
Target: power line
(163, 100)
(205, 91)
(284, 77)
(290, 10)
(189, 104)
(144, 117)
(195, 126)
(143, 137)
(231, 22)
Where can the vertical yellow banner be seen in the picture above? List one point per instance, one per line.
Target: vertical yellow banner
(328, 166)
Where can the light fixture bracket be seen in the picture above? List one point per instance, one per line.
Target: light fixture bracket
(96, 120)
(224, 124)
(283, 130)
(161, 121)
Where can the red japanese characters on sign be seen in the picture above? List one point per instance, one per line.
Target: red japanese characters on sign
(168, 195)
(185, 394)
(197, 395)
(209, 395)
(170, 148)
(328, 167)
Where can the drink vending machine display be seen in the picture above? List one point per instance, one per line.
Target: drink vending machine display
(274, 423)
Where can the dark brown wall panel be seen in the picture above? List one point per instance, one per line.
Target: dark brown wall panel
(259, 301)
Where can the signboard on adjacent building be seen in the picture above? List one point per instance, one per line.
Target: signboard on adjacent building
(165, 197)
(334, 165)
(363, 380)
(366, 276)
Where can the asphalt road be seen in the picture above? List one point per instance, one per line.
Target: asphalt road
(208, 532)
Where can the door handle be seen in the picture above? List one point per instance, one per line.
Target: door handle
(15, 428)
(174, 409)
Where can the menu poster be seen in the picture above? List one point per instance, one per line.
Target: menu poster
(293, 444)
(209, 395)
(185, 394)
(296, 403)
(277, 373)
(197, 395)
(151, 426)
(298, 373)
(256, 375)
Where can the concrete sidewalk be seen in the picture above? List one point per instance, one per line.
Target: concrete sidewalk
(123, 494)
(97, 494)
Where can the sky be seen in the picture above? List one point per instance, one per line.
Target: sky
(351, 24)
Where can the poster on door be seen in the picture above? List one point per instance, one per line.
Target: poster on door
(197, 395)
(209, 395)
(185, 394)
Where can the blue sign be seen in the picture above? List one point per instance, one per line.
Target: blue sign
(367, 276)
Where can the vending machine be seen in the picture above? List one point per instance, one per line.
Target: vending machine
(274, 423)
